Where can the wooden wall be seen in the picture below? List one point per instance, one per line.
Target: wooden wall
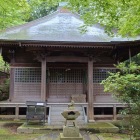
(61, 84)
(27, 91)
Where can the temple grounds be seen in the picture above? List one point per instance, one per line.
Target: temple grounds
(18, 130)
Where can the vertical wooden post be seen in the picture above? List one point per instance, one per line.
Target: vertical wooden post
(90, 91)
(43, 79)
(12, 76)
(17, 112)
(114, 112)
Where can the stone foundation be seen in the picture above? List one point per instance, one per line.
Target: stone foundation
(70, 138)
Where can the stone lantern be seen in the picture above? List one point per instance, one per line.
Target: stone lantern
(70, 129)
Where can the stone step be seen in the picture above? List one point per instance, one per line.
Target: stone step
(62, 118)
(59, 113)
(63, 122)
(65, 108)
(57, 119)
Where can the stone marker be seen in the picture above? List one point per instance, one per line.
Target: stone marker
(70, 129)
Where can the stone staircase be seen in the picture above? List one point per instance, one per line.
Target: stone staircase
(55, 117)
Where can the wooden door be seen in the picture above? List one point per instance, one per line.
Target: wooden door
(65, 82)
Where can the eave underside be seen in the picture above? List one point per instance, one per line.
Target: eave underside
(117, 50)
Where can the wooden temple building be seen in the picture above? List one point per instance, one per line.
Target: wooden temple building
(50, 60)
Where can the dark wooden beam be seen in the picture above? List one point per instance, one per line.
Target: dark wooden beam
(43, 80)
(90, 90)
(67, 59)
(12, 76)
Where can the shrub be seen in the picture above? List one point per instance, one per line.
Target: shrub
(4, 90)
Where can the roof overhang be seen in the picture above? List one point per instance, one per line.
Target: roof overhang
(68, 44)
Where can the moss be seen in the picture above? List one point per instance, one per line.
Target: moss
(99, 124)
(33, 125)
(3, 131)
(112, 136)
(102, 127)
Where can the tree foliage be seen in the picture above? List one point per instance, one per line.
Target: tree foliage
(4, 90)
(4, 66)
(40, 8)
(4, 83)
(125, 87)
(13, 12)
(123, 15)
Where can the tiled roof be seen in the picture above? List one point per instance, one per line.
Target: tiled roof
(59, 26)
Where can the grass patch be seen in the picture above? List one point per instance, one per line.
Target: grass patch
(99, 124)
(102, 127)
(18, 136)
(8, 132)
(33, 125)
(109, 136)
(112, 136)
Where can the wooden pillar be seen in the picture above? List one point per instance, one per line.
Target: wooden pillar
(43, 79)
(11, 90)
(114, 112)
(90, 91)
(17, 112)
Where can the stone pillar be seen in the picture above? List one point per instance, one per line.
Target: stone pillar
(90, 91)
(43, 79)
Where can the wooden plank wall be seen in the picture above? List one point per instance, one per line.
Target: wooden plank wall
(27, 91)
(65, 89)
(100, 96)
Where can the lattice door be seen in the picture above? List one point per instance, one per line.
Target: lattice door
(65, 82)
(100, 74)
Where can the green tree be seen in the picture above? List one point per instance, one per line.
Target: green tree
(121, 15)
(4, 66)
(13, 12)
(4, 89)
(39, 8)
(125, 87)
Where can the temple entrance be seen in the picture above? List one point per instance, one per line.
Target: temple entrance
(65, 82)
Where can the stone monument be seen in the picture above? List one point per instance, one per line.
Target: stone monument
(70, 129)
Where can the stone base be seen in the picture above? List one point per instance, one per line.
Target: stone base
(71, 138)
(91, 121)
(70, 131)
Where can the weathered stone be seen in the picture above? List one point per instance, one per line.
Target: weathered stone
(91, 121)
(24, 130)
(70, 114)
(70, 138)
(70, 131)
